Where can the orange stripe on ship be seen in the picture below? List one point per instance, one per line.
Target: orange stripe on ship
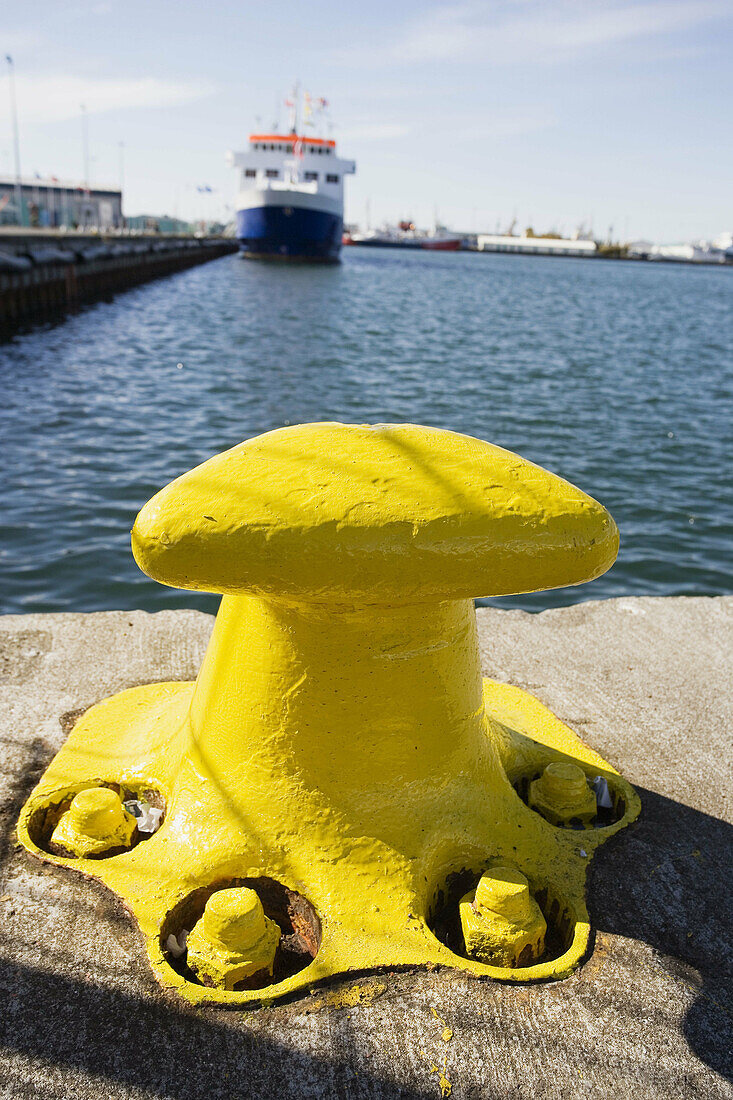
(291, 138)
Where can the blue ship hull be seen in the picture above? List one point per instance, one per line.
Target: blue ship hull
(289, 233)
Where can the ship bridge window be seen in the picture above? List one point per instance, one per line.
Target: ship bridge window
(311, 177)
(250, 173)
(271, 173)
(331, 178)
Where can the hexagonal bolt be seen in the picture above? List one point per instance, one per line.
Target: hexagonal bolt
(233, 940)
(95, 823)
(562, 795)
(502, 923)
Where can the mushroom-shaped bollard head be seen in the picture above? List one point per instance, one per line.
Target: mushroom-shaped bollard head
(95, 823)
(233, 940)
(502, 923)
(389, 513)
(562, 795)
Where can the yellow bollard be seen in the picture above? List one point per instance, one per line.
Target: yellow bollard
(562, 795)
(502, 923)
(340, 739)
(96, 822)
(234, 940)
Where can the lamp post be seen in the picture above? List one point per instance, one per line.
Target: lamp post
(85, 144)
(121, 146)
(85, 203)
(16, 140)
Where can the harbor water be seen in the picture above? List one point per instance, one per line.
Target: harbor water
(616, 376)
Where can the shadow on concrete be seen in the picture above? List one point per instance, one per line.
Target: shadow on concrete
(667, 882)
(125, 1043)
(15, 794)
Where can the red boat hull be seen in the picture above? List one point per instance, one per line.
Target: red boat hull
(448, 245)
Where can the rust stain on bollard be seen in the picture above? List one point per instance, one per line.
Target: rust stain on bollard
(340, 743)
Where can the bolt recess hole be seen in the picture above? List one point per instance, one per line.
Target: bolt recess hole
(605, 815)
(445, 923)
(298, 921)
(45, 817)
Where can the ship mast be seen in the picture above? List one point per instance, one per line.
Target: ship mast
(293, 105)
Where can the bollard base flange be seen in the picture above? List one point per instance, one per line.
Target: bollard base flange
(365, 901)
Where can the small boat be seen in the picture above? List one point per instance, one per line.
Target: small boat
(406, 235)
(442, 244)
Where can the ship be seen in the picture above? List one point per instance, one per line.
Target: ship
(290, 200)
(406, 235)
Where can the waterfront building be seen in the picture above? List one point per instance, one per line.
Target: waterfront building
(51, 203)
(157, 223)
(538, 246)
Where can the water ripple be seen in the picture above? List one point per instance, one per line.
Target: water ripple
(615, 376)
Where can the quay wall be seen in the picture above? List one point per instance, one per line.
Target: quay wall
(45, 274)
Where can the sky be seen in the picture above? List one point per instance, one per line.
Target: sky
(610, 114)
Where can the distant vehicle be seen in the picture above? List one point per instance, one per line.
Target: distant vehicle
(290, 202)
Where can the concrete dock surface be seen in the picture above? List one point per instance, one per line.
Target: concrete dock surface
(645, 681)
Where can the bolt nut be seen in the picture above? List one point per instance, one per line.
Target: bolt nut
(95, 823)
(233, 940)
(562, 794)
(502, 923)
(504, 891)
